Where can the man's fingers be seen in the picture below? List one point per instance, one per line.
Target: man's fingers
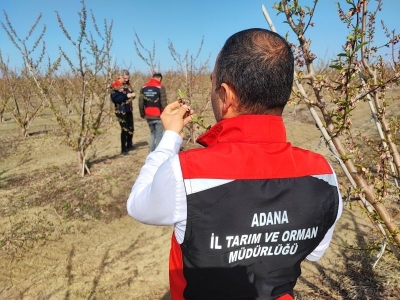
(175, 116)
(177, 109)
(172, 106)
(183, 110)
(188, 119)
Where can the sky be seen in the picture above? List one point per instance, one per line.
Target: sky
(183, 22)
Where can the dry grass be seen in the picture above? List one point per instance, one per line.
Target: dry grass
(53, 196)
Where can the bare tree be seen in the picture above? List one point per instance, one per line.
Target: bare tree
(27, 100)
(4, 96)
(148, 56)
(359, 76)
(90, 73)
(81, 90)
(194, 83)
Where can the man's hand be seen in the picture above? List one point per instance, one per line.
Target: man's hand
(175, 116)
(131, 95)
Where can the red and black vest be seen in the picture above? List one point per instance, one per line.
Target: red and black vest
(256, 207)
(151, 93)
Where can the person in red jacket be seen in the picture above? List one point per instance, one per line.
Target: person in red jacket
(122, 96)
(152, 101)
(248, 207)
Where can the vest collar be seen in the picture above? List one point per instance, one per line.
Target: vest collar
(153, 82)
(247, 129)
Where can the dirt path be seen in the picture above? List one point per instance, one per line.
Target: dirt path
(121, 260)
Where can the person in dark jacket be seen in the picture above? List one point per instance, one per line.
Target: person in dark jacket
(122, 96)
(152, 101)
(248, 208)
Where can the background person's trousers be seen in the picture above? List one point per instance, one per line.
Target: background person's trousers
(156, 133)
(125, 120)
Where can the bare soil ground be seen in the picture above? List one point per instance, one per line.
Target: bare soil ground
(67, 237)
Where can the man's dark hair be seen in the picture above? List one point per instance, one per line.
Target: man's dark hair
(258, 64)
(157, 75)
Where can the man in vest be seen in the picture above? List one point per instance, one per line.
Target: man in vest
(247, 208)
(152, 101)
(122, 96)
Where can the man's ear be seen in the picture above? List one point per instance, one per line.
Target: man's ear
(228, 98)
